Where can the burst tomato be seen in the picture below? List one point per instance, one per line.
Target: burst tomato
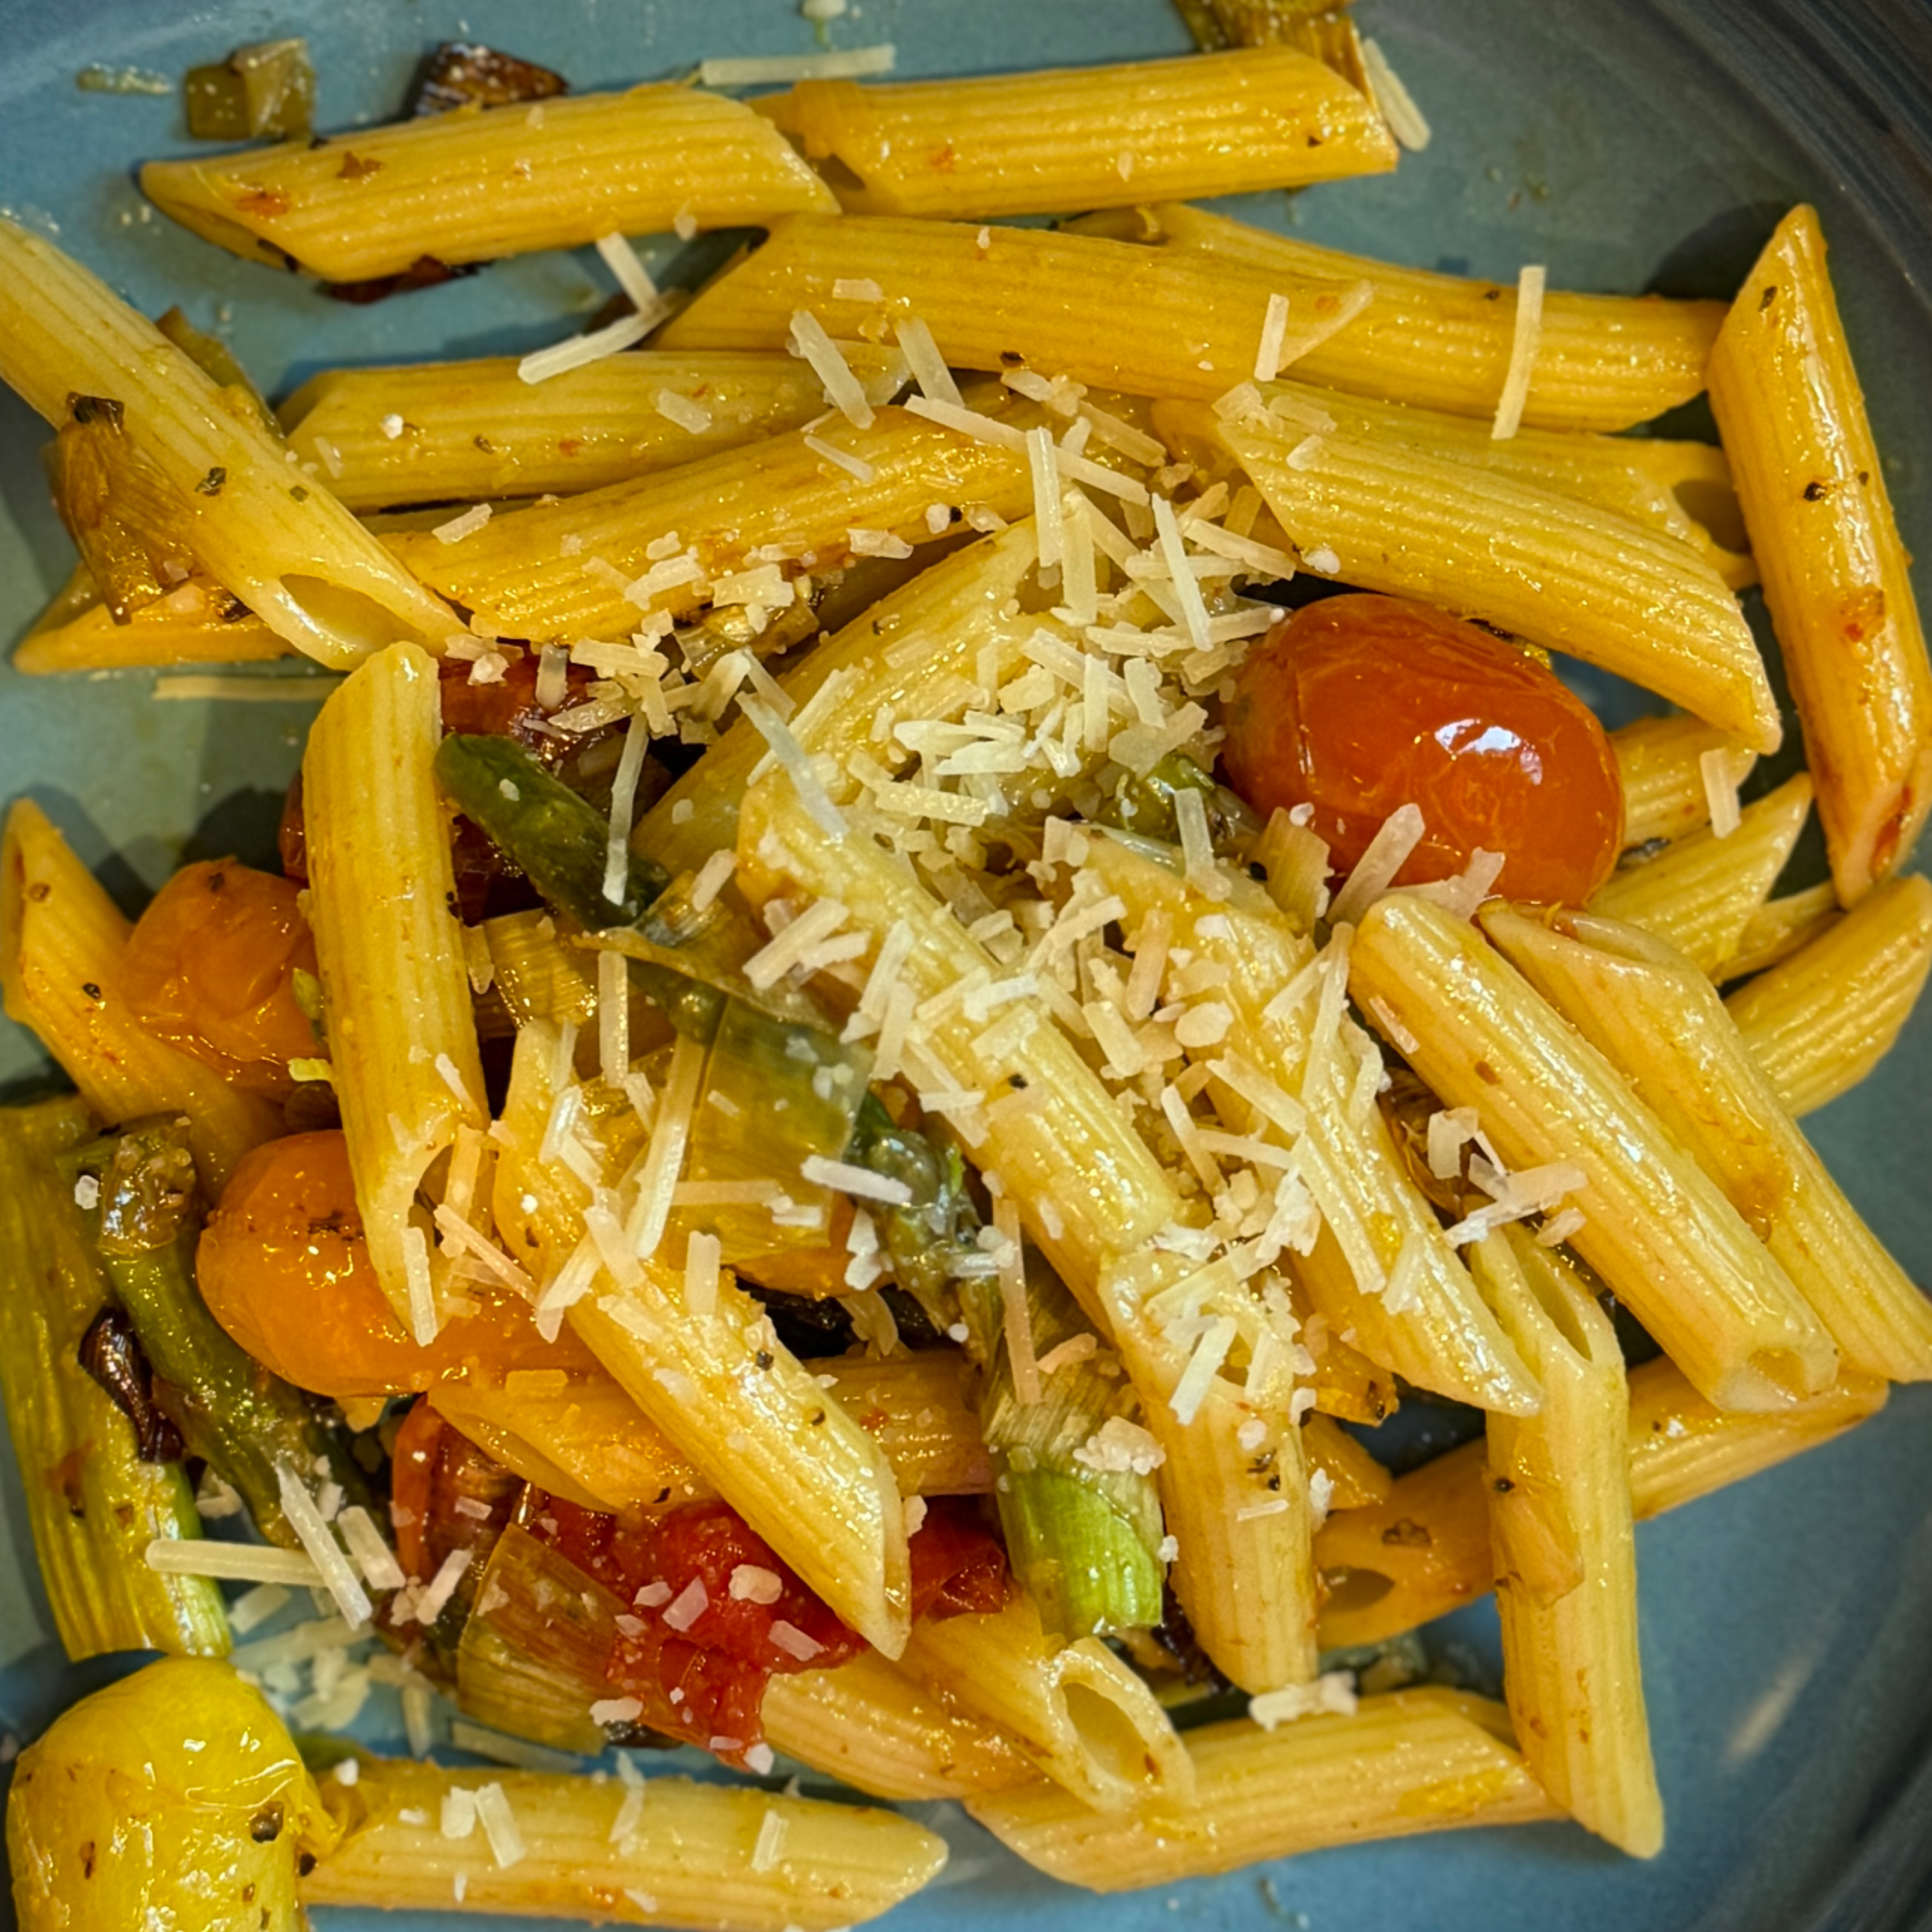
(1356, 705)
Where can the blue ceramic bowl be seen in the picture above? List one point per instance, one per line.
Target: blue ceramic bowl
(1628, 144)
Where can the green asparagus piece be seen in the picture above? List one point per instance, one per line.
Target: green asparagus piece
(1083, 1541)
(1145, 806)
(927, 1240)
(232, 1413)
(93, 1505)
(535, 819)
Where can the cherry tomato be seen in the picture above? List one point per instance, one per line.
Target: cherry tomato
(283, 1267)
(1356, 705)
(210, 966)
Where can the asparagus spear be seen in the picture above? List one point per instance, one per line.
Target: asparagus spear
(92, 1504)
(231, 1411)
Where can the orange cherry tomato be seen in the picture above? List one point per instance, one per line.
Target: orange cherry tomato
(210, 966)
(1357, 705)
(283, 1267)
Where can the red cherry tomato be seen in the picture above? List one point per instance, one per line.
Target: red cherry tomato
(1356, 705)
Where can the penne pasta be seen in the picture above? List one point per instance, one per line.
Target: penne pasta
(279, 541)
(751, 1419)
(1779, 927)
(1443, 342)
(1357, 1479)
(1443, 1338)
(1244, 1523)
(381, 903)
(1819, 1022)
(690, 1857)
(989, 295)
(916, 653)
(63, 945)
(1656, 1227)
(1660, 766)
(1524, 559)
(583, 567)
(584, 1438)
(1056, 139)
(1425, 1550)
(1702, 893)
(1076, 1711)
(386, 436)
(484, 182)
(1658, 1020)
(1562, 1531)
(1836, 575)
(196, 623)
(868, 1724)
(1636, 478)
(1427, 1760)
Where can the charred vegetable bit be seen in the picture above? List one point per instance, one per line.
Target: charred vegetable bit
(111, 1353)
(232, 1413)
(128, 523)
(264, 90)
(92, 1504)
(1146, 806)
(465, 73)
(424, 272)
(927, 1240)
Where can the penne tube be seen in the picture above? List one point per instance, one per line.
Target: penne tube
(1444, 1339)
(1779, 927)
(1076, 1711)
(1054, 139)
(1094, 1200)
(1837, 580)
(273, 537)
(196, 623)
(869, 1725)
(1565, 1551)
(1819, 1022)
(583, 1437)
(1660, 766)
(1525, 559)
(916, 653)
(1358, 1478)
(1701, 893)
(1422, 1760)
(1656, 1227)
(1425, 1551)
(63, 948)
(751, 1419)
(395, 987)
(1659, 1021)
(484, 182)
(1052, 299)
(386, 436)
(584, 568)
(708, 1856)
(1443, 342)
(1637, 477)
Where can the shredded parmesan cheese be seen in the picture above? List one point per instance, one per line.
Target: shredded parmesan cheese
(580, 351)
(1524, 342)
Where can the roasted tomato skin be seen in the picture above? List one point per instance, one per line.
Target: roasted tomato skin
(283, 1267)
(211, 967)
(1358, 704)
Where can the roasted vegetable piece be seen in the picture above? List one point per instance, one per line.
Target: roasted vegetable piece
(266, 89)
(236, 1415)
(284, 1268)
(174, 1798)
(212, 967)
(1358, 705)
(92, 1504)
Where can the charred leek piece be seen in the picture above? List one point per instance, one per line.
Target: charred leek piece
(93, 1505)
(232, 1412)
(266, 89)
(531, 1659)
(1084, 1541)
